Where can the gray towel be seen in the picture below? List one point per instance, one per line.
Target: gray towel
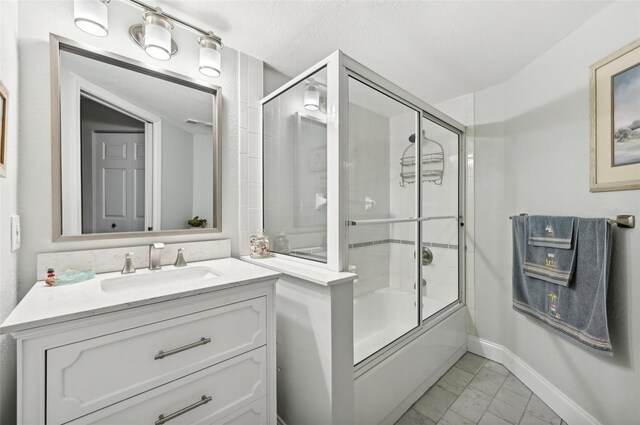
(546, 258)
(551, 231)
(579, 311)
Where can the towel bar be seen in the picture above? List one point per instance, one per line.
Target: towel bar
(625, 221)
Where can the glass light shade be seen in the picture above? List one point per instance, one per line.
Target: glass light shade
(157, 41)
(209, 61)
(311, 98)
(91, 17)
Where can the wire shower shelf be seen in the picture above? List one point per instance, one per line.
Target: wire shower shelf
(432, 164)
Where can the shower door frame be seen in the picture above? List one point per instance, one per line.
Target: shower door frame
(340, 68)
(349, 68)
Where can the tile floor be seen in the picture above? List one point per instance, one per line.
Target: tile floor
(479, 391)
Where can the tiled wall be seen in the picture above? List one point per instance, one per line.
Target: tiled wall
(462, 109)
(368, 177)
(250, 167)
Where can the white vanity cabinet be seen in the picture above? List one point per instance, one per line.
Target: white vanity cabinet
(207, 358)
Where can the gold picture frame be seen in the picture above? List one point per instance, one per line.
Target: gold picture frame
(4, 97)
(615, 120)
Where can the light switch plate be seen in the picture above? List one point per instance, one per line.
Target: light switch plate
(15, 232)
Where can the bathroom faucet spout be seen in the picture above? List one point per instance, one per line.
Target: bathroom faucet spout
(155, 256)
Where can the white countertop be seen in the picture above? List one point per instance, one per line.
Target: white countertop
(44, 305)
(315, 274)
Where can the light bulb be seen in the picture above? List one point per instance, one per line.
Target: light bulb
(311, 98)
(91, 16)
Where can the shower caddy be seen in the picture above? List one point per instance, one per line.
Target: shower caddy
(432, 164)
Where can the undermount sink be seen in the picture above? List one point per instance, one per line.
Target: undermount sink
(157, 278)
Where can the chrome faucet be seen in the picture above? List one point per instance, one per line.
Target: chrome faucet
(155, 256)
(180, 261)
(128, 264)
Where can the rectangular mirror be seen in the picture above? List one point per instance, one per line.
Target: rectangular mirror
(135, 150)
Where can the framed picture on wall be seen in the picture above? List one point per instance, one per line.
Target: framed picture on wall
(615, 121)
(4, 96)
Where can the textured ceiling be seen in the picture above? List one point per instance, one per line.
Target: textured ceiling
(436, 50)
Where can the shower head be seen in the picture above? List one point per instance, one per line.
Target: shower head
(412, 138)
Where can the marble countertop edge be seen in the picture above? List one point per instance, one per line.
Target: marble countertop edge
(21, 319)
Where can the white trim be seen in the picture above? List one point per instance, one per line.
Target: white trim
(71, 172)
(561, 403)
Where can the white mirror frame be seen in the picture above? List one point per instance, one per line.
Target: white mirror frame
(69, 207)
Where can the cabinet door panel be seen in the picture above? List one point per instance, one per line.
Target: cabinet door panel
(231, 385)
(89, 375)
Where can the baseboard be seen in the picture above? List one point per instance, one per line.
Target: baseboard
(562, 404)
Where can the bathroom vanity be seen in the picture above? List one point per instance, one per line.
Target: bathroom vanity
(194, 344)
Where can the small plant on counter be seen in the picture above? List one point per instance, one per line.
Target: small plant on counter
(197, 222)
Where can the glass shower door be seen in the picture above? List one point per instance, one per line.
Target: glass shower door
(440, 217)
(382, 234)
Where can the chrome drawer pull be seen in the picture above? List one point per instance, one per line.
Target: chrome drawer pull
(162, 419)
(163, 354)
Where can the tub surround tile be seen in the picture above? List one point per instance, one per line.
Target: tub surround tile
(490, 419)
(413, 417)
(514, 384)
(471, 404)
(455, 380)
(487, 381)
(435, 402)
(452, 418)
(508, 405)
(470, 363)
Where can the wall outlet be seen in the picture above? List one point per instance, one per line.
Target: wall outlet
(15, 232)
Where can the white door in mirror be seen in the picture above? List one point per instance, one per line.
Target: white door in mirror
(15, 232)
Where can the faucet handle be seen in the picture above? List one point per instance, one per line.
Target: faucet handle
(128, 264)
(180, 261)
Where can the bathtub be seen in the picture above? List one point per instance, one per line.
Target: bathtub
(381, 316)
(383, 392)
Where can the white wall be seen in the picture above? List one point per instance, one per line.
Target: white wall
(37, 19)
(177, 177)
(532, 155)
(8, 206)
(203, 177)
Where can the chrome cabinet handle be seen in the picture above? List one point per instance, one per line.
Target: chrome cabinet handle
(162, 419)
(162, 354)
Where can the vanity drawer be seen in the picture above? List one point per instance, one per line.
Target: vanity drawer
(89, 375)
(252, 414)
(214, 394)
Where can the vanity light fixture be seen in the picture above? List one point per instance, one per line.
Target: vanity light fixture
(311, 97)
(154, 36)
(210, 46)
(91, 16)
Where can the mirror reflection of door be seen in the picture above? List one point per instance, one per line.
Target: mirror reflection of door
(113, 170)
